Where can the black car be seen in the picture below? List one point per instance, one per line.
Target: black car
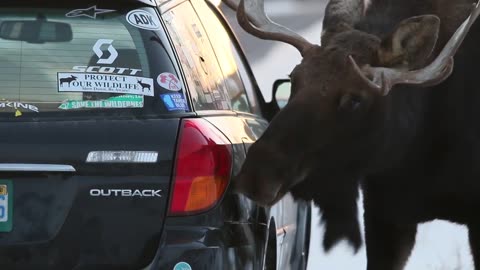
(122, 123)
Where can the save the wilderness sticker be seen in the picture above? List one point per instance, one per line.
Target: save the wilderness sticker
(104, 83)
(124, 101)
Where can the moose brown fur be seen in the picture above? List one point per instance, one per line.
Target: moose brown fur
(377, 105)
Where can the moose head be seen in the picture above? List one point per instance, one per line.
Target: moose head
(342, 97)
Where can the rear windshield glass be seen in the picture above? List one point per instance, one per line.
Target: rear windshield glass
(87, 59)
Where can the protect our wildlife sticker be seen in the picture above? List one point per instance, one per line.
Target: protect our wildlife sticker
(182, 266)
(169, 81)
(104, 83)
(143, 19)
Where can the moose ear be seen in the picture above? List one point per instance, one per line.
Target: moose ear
(411, 43)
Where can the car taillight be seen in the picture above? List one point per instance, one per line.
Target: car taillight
(202, 167)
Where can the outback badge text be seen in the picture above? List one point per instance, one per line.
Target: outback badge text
(125, 193)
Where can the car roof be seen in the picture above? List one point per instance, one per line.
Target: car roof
(152, 3)
(148, 2)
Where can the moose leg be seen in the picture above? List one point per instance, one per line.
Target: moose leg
(474, 239)
(388, 244)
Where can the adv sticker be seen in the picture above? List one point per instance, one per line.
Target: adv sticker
(143, 19)
(169, 81)
(104, 83)
(174, 102)
(125, 101)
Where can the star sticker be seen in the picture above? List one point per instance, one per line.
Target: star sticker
(90, 12)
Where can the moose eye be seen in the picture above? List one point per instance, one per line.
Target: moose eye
(349, 102)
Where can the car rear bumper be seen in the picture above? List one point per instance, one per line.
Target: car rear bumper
(231, 246)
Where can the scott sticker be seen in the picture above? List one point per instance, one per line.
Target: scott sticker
(97, 49)
(90, 12)
(169, 81)
(125, 101)
(110, 70)
(174, 102)
(104, 83)
(182, 266)
(143, 19)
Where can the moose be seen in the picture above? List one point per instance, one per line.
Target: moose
(68, 80)
(389, 103)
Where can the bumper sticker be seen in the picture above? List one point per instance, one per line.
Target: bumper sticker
(125, 101)
(143, 19)
(98, 51)
(6, 205)
(182, 266)
(90, 12)
(104, 83)
(169, 81)
(174, 102)
(17, 106)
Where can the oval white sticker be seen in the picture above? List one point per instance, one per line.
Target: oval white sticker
(143, 19)
(169, 81)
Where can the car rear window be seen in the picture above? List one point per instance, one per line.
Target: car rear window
(87, 59)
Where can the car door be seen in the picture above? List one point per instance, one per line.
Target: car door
(242, 91)
(212, 93)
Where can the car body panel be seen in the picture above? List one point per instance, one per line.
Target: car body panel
(52, 210)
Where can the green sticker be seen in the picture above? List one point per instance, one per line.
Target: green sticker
(125, 101)
(6, 205)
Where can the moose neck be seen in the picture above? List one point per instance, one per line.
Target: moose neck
(406, 121)
(404, 126)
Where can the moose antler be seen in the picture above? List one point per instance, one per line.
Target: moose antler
(251, 16)
(383, 79)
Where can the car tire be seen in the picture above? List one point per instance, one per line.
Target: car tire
(300, 254)
(306, 247)
(270, 259)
